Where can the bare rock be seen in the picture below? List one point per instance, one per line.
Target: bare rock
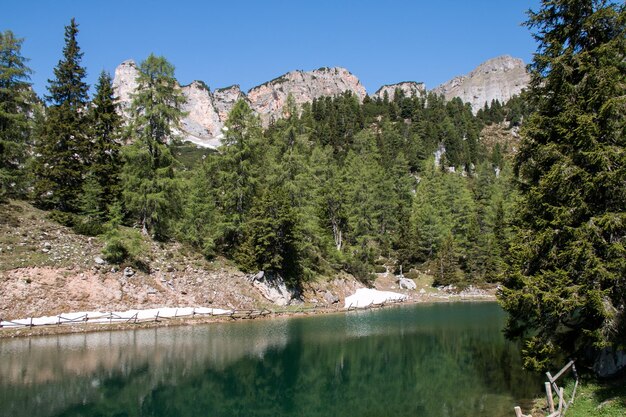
(128, 272)
(224, 100)
(269, 99)
(406, 283)
(408, 88)
(273, 288)
(496, 79)
(330, 298)
(610, 362)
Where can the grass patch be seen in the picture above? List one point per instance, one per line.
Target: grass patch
(189, 154)
(599, 399)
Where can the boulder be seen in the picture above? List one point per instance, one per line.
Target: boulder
(330, 298)
(406, 283)
(273, 287)
(128, 272)
(610, 363)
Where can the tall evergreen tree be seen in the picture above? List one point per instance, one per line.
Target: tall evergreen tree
(105, 161)
(566, 292)
(16, 99)
(236, 172)
(150, 188)
(63, 148)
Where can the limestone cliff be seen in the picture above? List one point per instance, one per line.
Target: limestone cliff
(206, 111)
(409, 88)
(269, 99)
(225, 98)
(202, 122)
(496, 79)
(125, 84)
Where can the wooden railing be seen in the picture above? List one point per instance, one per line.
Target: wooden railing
(553, 388)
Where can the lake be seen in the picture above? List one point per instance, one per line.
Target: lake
(447, 359)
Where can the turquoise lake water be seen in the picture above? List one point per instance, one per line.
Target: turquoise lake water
(441, 360)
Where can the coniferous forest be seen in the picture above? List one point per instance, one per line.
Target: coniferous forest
(342, 185)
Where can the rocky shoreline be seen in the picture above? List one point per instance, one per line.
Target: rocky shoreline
(295, 311)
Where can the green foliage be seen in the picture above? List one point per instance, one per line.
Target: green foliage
(63, 146)
(16, 99)
(236, 174)
(62, 151)
(150, 187)
(271, 237)
(103, 181)
(123, 245)
(566, 292)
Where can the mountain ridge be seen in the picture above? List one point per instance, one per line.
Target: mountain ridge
(499, 78)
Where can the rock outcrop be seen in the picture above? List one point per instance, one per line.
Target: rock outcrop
(409, 88)
(225, 98)
(273, 288)
(202, 123)
(125, 84)
(206, 111)
(496, 79)
(269, 99)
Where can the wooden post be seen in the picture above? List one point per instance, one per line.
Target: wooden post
(549, 397)
(560, 401)
(518, 412)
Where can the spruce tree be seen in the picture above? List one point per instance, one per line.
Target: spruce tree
(150, 187)
(237, 172)
(16, 99)
(105, 161)
(566, 293)
(271, 237)
(62, 153)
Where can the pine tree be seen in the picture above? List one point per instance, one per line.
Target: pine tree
(271, 237)
(105, 150)
(566, 293)
(236, 173)
(62, 152)
(150, 187)
(16, 99)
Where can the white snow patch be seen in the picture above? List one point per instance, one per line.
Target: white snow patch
(365, 297)
(116, 316)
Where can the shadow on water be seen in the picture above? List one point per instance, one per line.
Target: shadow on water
(427, 360)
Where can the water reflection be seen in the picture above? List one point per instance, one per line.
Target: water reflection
(440, 360)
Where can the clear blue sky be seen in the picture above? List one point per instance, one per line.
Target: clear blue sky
(250, 42)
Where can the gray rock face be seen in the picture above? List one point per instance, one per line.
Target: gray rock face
(409, 88)
(609, 362)
(269, 99)
(330, 298)
(202, 122)
(496, 79)
(206, 112)
(273, 287)
(224, 100)
(125, 84)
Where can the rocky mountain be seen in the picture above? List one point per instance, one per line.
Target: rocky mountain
(269, 99)
(206, 111)
(496, 79)
(409, 88)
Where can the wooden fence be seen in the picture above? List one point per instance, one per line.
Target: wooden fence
(553, 390)
(167, 314)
